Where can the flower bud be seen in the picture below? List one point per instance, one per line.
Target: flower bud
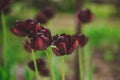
(84, 15)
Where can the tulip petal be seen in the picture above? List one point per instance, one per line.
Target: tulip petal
(57, 52)
(27, 46)
(62, 48)
(39, 44)
(73, 46)
(17, 32)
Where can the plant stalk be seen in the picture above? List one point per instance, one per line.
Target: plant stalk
(80, 63)
(51, 65)
(4, 38)
(63, 69)
(35, 64)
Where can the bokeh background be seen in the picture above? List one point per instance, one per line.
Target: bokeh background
(102, 51)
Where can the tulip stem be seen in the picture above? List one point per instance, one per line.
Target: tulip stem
(35, 64)
(51, 65)
(63, 71)
(80, 63)
(4, 38)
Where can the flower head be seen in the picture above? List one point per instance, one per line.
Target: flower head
(4, 4)
(82, 39)
(41, 65)
(23, 28)
(41, 18)
(46, 14)
(64, 44)
(49, 12)
(39, 39)
(84, 15)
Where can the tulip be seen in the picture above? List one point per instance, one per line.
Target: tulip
(4, 4)
(84, 15)
(64, 44)
(49, 12)
(82, 39)
(41, 18)
(23, 28)
(45, 15)
(41, 65)
(39, 40)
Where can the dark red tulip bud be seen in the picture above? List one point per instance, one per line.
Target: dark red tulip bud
(7, 10)
(4, 4)
(41, 65)
(41, 18)
(46, 14)
(39, 39)
(49, 12)
(23, 28)
(84, 15)
(82, 39)
(45, 72)
(64, 45)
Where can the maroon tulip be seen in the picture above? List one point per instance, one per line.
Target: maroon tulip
(64, 45)
(45, 72)
(39, 40)
(82, 39)
(49, 12)
(46, 14)
(4, 4)
(7, 10)
(41, 65)
(41, 18)
(84, 15)
(23, 28)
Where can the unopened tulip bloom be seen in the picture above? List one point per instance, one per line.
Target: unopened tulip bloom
(84, 15)
(4, 4)
(45, 15)
(82, 39)
(41, 65)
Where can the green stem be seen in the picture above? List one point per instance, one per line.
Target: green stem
(80, 63)
(4, 38)
(35, 64)
(51, 65)
(63, 71)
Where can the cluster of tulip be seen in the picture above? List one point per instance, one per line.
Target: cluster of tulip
(40, 38)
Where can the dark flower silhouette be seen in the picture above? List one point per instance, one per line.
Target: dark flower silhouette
(82, 39)
(4, 4)
(49, 12)
(39, 39)
(84, 15)
(23, 28)
(45, 15)
(7, 10)
(41, 65)
(45, 72)
(64, 45)
(41, 18)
